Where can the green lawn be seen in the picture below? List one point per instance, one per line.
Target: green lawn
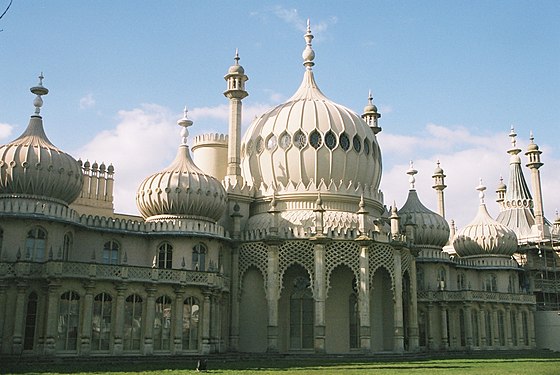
(532, 366)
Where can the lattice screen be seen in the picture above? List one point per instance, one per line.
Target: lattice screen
(381, 255)
(296, 252)
(253, 254)
(341, 252)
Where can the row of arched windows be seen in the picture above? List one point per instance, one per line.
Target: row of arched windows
(103, 325)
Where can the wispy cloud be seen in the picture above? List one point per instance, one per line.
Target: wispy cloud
(5, 131)
(292, 17)
(87, 101)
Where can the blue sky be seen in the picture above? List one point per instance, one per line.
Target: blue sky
(450, 78)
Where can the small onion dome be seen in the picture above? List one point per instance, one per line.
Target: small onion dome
(181, 190)
(370, 107)
(431, 229)
(32, 166)
(501, 186)
(532, 146)
(236, 68)
(484, 235)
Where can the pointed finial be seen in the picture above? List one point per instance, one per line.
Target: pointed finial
(236, 58)
(411, 172)
(370, 97)
(308, 53)
(481, 189)
(184, 123)
(39, 90)
(513, 134)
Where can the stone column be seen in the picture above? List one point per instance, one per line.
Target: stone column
(149, 324)
(319, 291)
(85, 342)
(214, 319)
(119, 319)
(51, 320)
(235, 293)
(531, 324)
(3, 288)
(496, 331)
(413, 340)
(507, 328)
(482, 327)
(206, 322)
(363, 294)
(443, 321)
(519, 324)
(431, 325)
(178, 321)
(398, 308)
(468, 326)
(19, 318)
(272, 295)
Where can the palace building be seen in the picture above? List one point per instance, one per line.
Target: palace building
(278, 240)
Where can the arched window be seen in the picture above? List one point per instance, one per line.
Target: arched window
(101, 322)
(132, 322)
(525, 328)
(501, 328)
(512, 283)
(35, 244)
(441, 279)
(490, 284)
(30, 322)
(67, 246)
(301, 315)
(513, 319)
(420, 279)
(68, 319)
(354, 321)
(474, 324)
(489, 337)
(165, 256)
(191, 316)
(461, 281)
(199, 257)
(111, 252)
(462, 329)
(162, 323)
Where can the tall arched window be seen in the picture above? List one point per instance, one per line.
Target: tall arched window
(132, 322)
(420, 279)
(513, 320)
(441, 279)
(462, 329)
(461, 281)
(501, 329)
(30, 322)
(162, 323)
(165, 256)
(191, 316)
(35, 244)
(68, 319)
(1, 240)
(301, 315)
(101, 322)
(111, 252)
(199, 257)
(491, 284)
(67, 246)
(525, 328)
(474, 325)
(489, 337)
(354, 321)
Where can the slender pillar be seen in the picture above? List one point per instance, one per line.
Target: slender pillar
(431, 326)
(319, 292)
(149, 324)
(272, 295)
(413, 340)
(482, 328)
(51, 319)
(507, 328)
(85, 342)
(19, 321)
(3, 288)
(206, 322)
(178, 321)
(468, 326)
(534, 155)
(443, 321)
(496, 333)
(439, 186)
(519, 324)
(119, 319)
(398, 308)
(363, 294)
(531, 323)
(235, 293)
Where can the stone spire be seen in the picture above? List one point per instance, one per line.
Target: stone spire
(39, 90)
(235, 92)
(534, 155)
(501, 191)
(439, 186)
(411, 172)
(308, 53)
(371, 116)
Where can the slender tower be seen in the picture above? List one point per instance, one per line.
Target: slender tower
(371, 116)
(439, 186)
(235, 92)
(534, 155)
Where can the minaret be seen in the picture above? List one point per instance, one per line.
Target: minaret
(534, 155)
(439, 186)
(235, 92)
(371, 115)
(501, 190)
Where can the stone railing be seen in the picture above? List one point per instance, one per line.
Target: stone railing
(94, 271)
(550, 286)
(475, 296)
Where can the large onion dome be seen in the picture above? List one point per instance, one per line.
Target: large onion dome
(485, 236)
(181, 190)
(431, 229)
(310, 139)
(31, 166)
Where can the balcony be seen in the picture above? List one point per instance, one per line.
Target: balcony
(475, 296)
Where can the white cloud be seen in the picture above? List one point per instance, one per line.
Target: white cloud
(292, 17)
(87, 101)
(6, 131)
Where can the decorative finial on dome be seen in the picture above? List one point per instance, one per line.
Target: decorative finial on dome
(411, 172)
(308, 53)
(513, 134)
(236, 58)
(39, 90)
(481, 189)
(184, 123)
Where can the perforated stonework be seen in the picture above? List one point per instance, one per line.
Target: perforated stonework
(296, 252)
(342, 252)
(406, 261)
(253, 254)
(381, 255)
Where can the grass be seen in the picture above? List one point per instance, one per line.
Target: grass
(533, 366)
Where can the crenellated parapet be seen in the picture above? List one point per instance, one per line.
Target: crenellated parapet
(96, 197)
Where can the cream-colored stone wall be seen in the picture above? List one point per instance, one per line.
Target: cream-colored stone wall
(253, 313)
(337, 309)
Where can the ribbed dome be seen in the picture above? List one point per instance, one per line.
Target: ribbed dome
(431, 229)
(310, 138)
(181, 190)
(484, 235)
(32, 166)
